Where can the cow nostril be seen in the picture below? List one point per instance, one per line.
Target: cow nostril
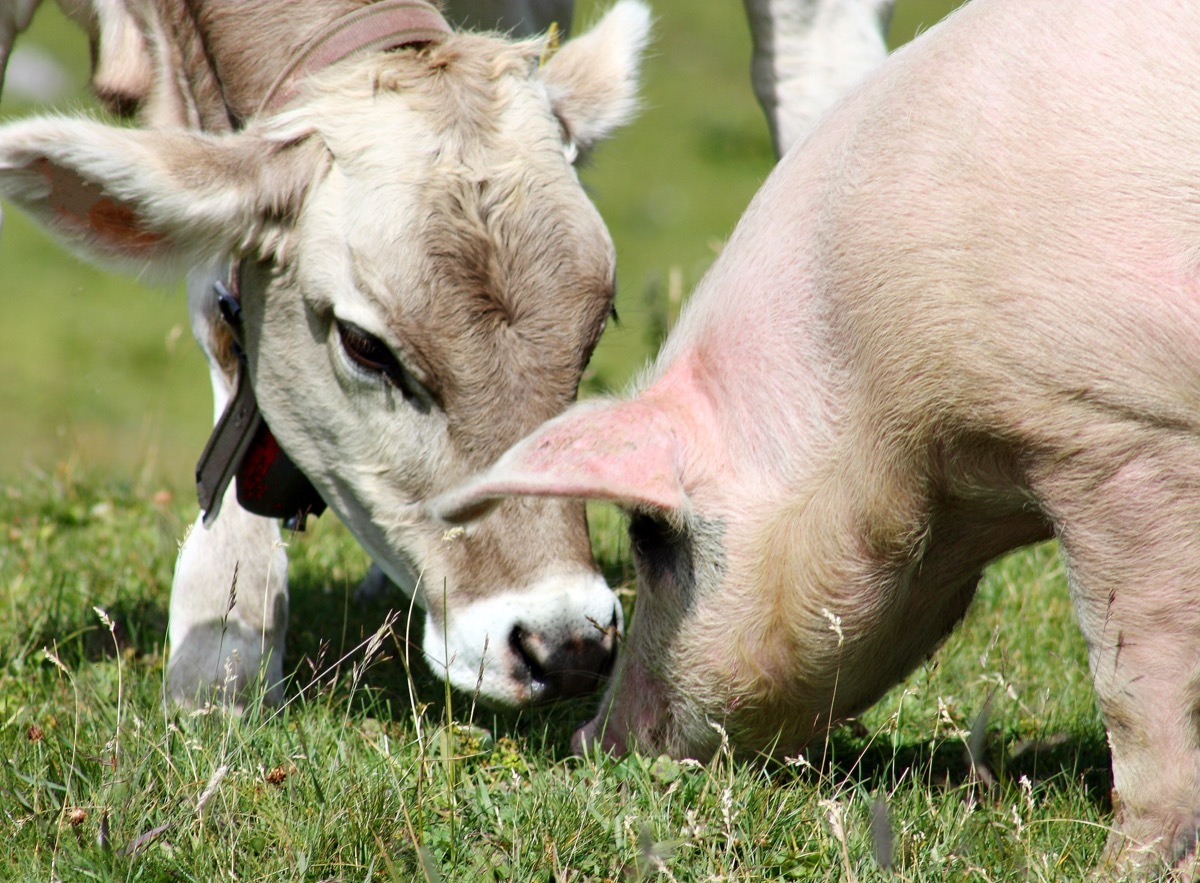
(571, 668)
(523, 645)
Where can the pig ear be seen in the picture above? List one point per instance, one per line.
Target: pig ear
(593, 78)
(153, 199)
(616, 451)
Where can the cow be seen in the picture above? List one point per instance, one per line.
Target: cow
(807, 54)
(422, 280)
(961, 316)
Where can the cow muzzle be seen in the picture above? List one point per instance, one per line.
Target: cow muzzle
(551, 641)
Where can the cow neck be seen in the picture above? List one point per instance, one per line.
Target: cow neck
(241, 444)
(234, 54)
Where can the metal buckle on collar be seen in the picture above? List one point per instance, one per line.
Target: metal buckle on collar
(242, 445)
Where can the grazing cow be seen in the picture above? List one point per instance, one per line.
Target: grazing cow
(962, 316)
(422, 281)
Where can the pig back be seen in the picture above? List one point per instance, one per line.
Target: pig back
(1006, 227)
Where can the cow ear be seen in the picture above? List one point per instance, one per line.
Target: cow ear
(622, 452)
(593, 78)
(154, 199)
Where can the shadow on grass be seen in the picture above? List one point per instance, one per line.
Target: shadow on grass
(1069, 760)
(77, 634)
(327, 624)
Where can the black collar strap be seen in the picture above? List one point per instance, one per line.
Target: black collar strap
(241, 444)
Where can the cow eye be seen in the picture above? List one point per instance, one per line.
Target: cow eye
(374, 356)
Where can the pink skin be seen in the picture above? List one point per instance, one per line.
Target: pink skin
(614, 731)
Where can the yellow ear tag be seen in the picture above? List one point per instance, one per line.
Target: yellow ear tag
(552, 42)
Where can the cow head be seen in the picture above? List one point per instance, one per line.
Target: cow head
(425, 282)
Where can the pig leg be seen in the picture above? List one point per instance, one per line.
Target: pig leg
(1132, 542)
(229, 600)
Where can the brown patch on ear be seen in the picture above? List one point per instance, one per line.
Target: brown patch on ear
(118, 224)
(84, 204)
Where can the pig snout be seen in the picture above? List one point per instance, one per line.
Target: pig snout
(636, 715)
(595, 733)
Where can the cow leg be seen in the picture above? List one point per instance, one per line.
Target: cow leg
(121, 66)
(229, 601)
(521, 18)
(1132, 542)
(15, 16)
(808, 54)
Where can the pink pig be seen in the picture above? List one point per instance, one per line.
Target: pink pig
(962, 316)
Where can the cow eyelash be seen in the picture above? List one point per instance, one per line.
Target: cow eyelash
(374, 356)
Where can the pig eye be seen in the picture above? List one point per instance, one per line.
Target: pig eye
(657, 546)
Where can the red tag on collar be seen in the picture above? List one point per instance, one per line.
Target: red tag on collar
(271, 485)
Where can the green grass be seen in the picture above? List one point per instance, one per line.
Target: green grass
(368, 773)
(369, 770)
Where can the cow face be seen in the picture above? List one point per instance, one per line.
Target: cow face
(427, 281)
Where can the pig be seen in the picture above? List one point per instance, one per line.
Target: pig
(961, 316)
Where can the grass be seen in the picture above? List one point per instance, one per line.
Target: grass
(370, 771)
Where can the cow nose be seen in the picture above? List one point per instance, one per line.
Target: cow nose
(570, 667)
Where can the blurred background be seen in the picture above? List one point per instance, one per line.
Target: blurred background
(99, 372)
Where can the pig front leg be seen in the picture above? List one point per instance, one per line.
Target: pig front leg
(1131, 535)
(229, 602)
(808, 54)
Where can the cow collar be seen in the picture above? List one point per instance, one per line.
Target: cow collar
(241, 444)
(389, 24)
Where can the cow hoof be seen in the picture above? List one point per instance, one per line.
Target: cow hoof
(224, 664)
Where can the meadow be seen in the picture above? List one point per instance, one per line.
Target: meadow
(988, 763)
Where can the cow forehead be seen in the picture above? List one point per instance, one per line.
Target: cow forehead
(460, 93)
(467, 235)
(512, 288)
